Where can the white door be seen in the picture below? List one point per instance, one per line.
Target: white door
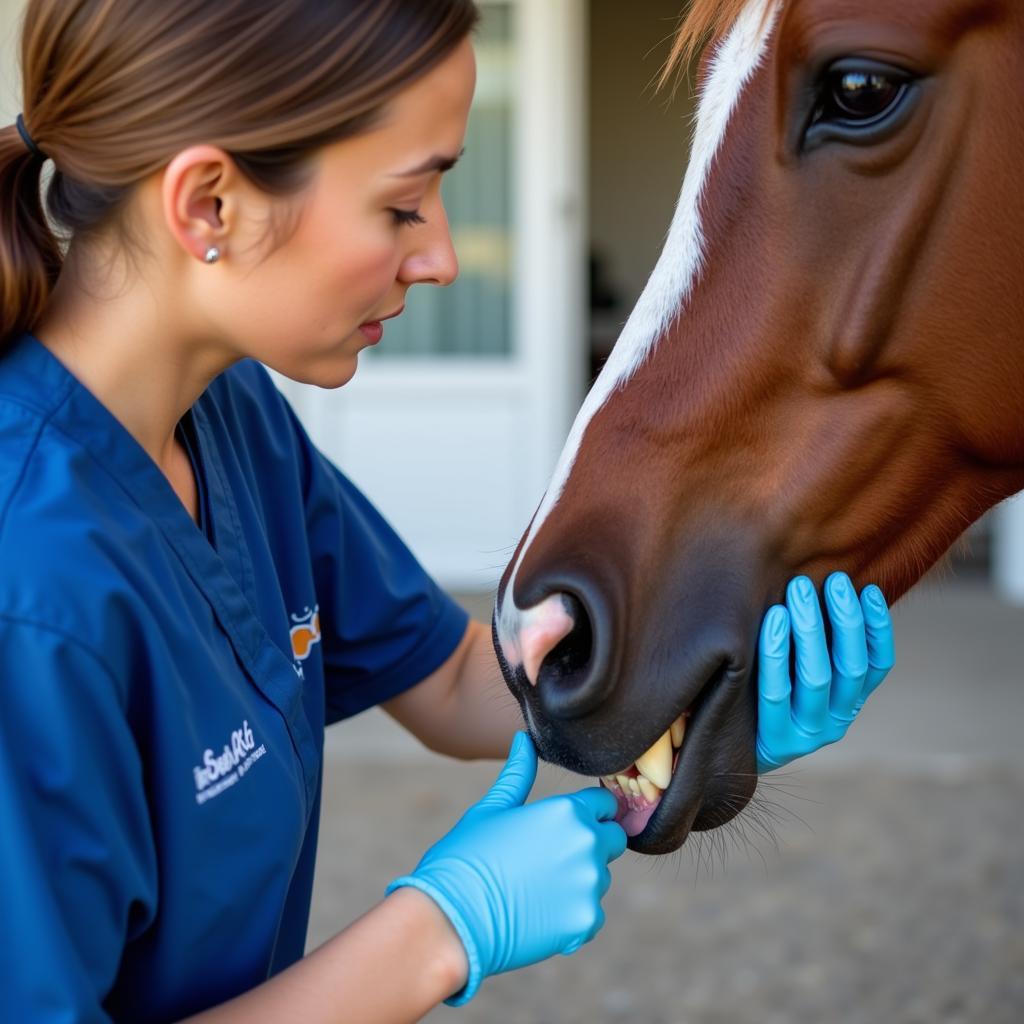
(453, 425)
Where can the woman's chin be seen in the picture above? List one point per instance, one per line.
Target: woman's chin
(331, 372)
(337, 376)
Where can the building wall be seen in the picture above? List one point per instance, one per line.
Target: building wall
(639, 138)
(10, 100)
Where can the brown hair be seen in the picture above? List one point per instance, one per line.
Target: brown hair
(114, 88)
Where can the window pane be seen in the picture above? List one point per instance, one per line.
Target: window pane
(473, 318)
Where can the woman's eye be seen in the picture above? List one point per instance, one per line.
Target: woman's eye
(862, 95)
(408, 218)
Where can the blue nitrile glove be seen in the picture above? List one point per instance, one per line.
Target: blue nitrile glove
(794, 720)
(522, 883)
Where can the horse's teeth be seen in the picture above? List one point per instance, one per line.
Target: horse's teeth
(656, 764)
(648, 789)
(678, 731)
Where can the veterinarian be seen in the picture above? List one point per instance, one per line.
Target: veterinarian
(190, 592)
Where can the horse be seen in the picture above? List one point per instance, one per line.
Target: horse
(825, 371)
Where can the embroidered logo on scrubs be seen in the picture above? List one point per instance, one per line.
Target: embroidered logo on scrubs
(219, 772)
(305, 633)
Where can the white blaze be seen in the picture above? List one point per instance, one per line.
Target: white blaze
(734, 61)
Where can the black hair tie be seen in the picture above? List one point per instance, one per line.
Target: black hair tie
(28, 140)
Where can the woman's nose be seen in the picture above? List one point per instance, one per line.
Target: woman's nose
(433, 259)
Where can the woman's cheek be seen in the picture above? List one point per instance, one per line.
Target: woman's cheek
(372, 274)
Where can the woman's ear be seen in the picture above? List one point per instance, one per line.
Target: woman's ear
(201, 193)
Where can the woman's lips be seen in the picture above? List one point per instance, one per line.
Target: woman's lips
(373, 330)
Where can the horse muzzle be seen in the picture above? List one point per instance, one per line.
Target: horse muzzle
(663, 717)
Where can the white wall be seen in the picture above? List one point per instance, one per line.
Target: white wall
(1008, 550)
(10, 99)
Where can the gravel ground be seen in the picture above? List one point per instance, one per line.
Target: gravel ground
(891, 888)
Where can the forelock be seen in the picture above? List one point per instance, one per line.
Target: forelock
(703, 23)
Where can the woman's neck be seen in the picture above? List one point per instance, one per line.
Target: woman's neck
(135, 353)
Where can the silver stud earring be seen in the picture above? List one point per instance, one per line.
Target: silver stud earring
(212, 254)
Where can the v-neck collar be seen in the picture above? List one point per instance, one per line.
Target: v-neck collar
(71, 408)
(185, 433)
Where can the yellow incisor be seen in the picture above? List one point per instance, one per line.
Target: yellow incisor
(656, 764)
(678, 731)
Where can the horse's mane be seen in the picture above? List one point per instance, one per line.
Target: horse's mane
(704, 22)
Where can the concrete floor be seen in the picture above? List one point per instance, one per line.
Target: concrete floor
(891, 887)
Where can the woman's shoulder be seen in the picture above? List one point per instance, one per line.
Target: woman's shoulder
(68, 535)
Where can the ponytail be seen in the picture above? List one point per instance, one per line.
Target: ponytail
(30, 255)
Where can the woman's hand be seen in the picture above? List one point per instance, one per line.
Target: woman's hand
(797, 719)
(521, 882)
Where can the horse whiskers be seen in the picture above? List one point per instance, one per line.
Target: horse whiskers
(499, 694)
(760, 801)
(779, 813)
(754, 822)
(703, 857)
(786, 783)
(794, 790)
(762, 829)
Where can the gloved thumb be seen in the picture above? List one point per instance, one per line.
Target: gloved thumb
(513, 785)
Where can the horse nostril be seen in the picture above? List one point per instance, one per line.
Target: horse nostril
(573, 678)
(571, 654)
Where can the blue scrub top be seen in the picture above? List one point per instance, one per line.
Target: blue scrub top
(165, 688)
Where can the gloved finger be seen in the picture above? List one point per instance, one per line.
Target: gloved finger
(849, 645)
(774, 689)
(513, 785)
(612, 839)
(813, 668)
(599, 921)
(588, 935)
(880, 641)
(598, 803)
(604, 882)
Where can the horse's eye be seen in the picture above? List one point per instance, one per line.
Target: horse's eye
(863, 95)
(859, 101)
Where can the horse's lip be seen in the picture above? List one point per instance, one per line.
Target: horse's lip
(649, 841)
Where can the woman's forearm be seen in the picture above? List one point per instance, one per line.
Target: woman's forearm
(484, 715)
(391, 966)
(464, 709)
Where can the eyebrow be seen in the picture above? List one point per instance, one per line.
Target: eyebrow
(435, 163)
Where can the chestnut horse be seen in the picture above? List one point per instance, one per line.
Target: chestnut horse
(825, 371)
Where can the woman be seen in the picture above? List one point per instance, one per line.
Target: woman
(190, 592)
